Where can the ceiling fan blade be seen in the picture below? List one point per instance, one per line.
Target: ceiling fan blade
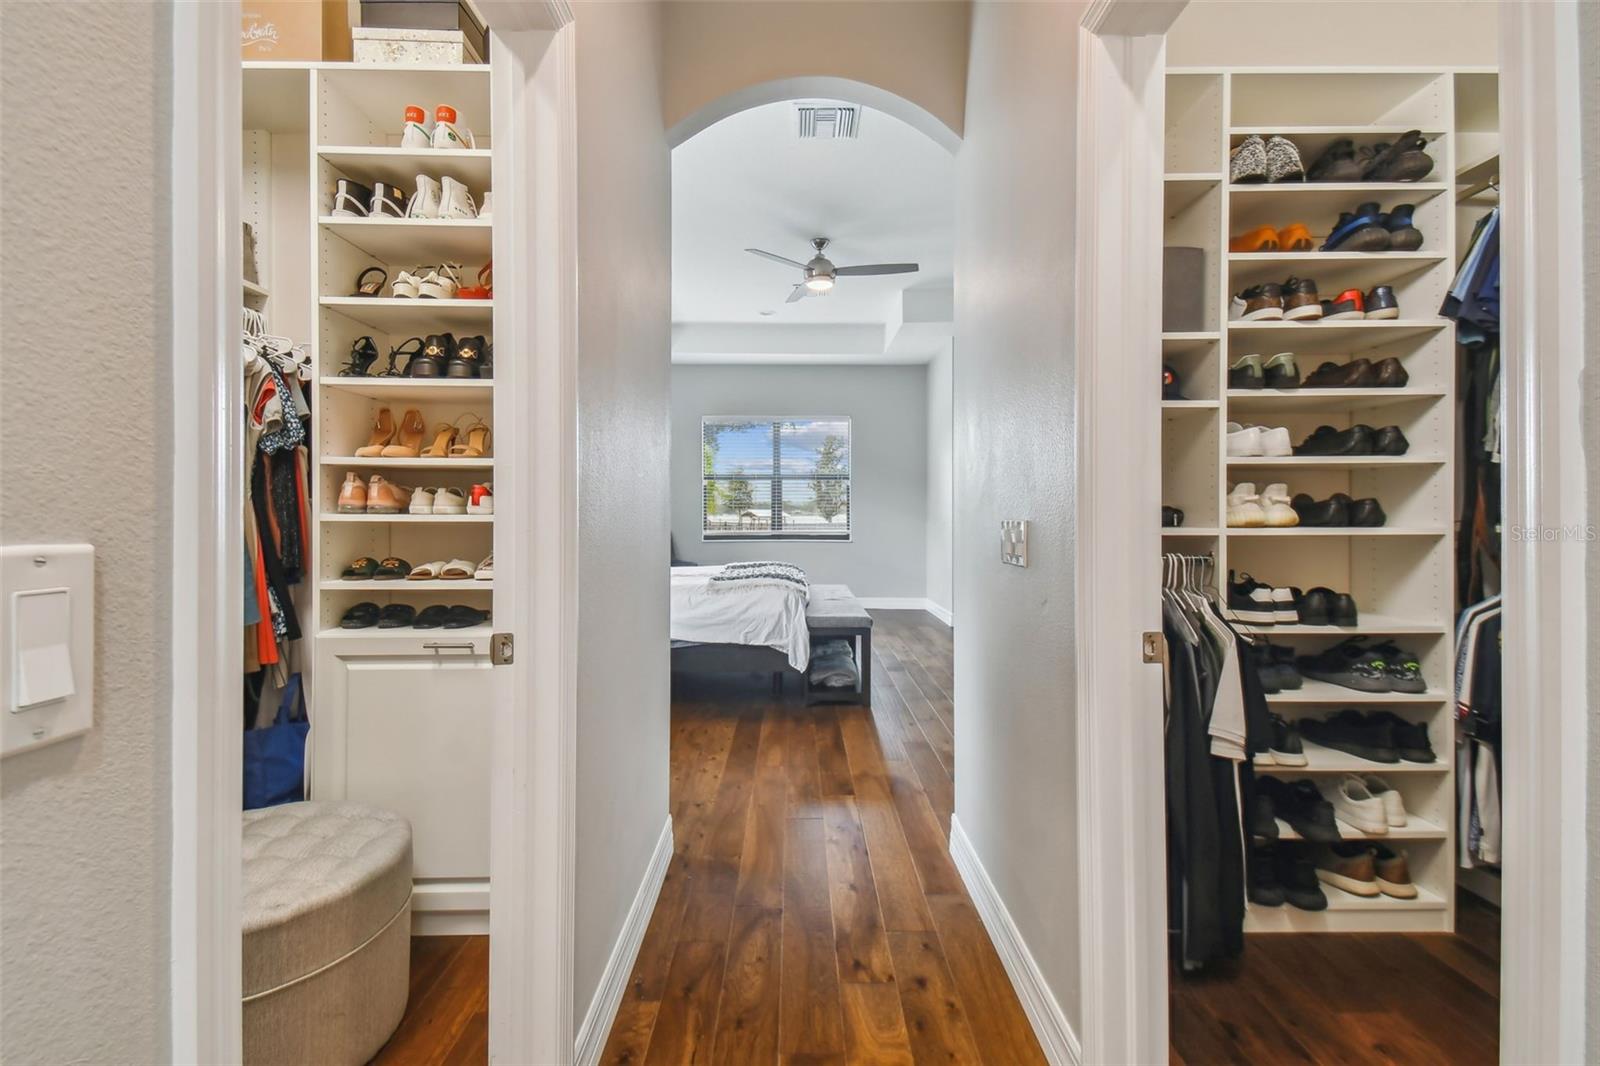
(775, 258)
(796, 294)
(875, 268)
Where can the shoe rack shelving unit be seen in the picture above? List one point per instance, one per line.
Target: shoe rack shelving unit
(1401, 574)
(400, 717)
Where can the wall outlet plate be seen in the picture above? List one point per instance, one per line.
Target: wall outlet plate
(1014, 542)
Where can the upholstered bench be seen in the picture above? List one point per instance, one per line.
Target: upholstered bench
(834, 612)
(327, 931)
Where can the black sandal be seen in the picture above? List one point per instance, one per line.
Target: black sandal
(410, 353)
(461, 616)
(361, 616)
(431, 617)
(363, 353)
(396, 616)
(370, 288)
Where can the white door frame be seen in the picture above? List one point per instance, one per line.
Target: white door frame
(532, 846)
(1121, 808)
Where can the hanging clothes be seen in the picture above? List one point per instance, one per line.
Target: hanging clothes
(1474, 302)
(1478, 753)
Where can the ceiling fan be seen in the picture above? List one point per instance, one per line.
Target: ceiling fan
(820, 272)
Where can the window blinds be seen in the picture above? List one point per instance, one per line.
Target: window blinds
(775, 477)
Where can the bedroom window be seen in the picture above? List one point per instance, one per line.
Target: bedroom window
(774, 478)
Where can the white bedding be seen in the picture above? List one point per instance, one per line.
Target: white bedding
(765, 617)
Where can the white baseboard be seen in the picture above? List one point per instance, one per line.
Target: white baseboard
(602, 1012)
(907, 603)
(1050, 1023)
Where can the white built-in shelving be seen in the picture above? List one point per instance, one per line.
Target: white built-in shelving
(1401, 574)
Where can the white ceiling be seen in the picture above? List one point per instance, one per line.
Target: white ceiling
(750, 182)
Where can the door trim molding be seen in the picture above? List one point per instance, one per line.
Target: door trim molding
(1121, 791)
(207, 442)
(1543, 978)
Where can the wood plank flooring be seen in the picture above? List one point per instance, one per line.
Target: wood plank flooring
(812, 914)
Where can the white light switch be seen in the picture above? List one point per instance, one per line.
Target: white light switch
(46, 643)
(1014, 542)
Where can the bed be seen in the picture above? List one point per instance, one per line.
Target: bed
(765, 630)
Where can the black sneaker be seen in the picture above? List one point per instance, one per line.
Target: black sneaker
(1301, 805)
(1262, 821)
(1280, 372)
(1285, 746)
(1351, 665)
(1343, 612)
(1261, 662)
(1350, 731)
(1264, 889)
(1247, 373)
(1381, 302)
(1283, 659)
(1250, 601)
(1314, 605)
(1171, 517)
(1402, 669)
(1298, 877)
(1410, 738)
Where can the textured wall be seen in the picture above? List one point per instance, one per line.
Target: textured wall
(1589, 52)
(887, 406)
(941, 479)
(1014, 458)
(1253, 33)
(85, 91)
(624, 262)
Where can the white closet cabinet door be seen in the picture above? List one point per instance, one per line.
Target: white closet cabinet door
(400, 726)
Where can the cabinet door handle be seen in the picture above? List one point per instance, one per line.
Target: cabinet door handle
(445, 645)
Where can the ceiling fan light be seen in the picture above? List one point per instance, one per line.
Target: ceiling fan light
(819, 283)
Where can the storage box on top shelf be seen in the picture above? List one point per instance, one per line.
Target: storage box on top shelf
(290, 30)
(429, 15)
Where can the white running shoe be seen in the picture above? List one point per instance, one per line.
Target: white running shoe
(456, 201)
(1279, 515)
(446, 134)
(417, 135)
(441, 283)
(1244, 440)
(1275, 441)
(1354, 804)
(1244, 507)
(425, 202)
(1394, 807)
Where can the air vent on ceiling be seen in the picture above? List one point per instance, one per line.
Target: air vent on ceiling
(824, 122)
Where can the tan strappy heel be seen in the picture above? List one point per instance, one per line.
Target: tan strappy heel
(477, 445)
(408, 442)
(444, 438)
(382, 434)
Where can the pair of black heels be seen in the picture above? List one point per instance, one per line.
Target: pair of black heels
(440, 355)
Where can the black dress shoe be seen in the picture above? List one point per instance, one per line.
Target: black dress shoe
(1314, 606)
(436, 352)
(1389, 441)
(1390, 373)
(1366, 512)
(1330, 512)
(1171, 517)
(1381, 303)
(1357, 440)
(1343, 610)
(1356, 374)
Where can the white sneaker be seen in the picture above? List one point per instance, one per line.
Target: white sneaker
(417, 135)
(1394, 807)
(485, 571)
(422, 501)
(1284, 613)
(1358, 807)
(425, 202)
(409, 283)
(1244, 507)
(449, 501)
(1244, 440)
(1279, 514)
(487, 209)
(1275, 441)
(441, 283)
(446, 134)
(351, 199)
(456, 202)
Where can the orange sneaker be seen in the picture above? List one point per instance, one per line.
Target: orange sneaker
(1260, 239)
(1295, 237)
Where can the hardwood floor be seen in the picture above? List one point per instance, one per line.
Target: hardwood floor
(812, 914)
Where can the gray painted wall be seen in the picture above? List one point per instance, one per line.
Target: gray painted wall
(888, 408)
(941, 479)
(84, 835)
(624, 239)
(1589, 53)
(1014, 458)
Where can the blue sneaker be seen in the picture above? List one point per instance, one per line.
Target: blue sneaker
(1360, 230)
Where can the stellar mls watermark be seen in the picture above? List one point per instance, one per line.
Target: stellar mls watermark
(1572, 533)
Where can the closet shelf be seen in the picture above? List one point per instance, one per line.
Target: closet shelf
(1341, 904)
(1364, 258)
(441, 390)
(1348, 331)
(1372, 132)
(469, 584)
(1335, 531)
(419, 463)
(400, 315)
(416, 240)
(1320, 760)
(1322, 692)
(1326, 399)
(410, 633)
(1189, 405)
(1189, 531)
(1371, 622)
(254, 291)
(400, 166)
(1332, 462)
(1181, 191)
(1414, 829)
(1187, 344)
(1192, 176)
(411, 519)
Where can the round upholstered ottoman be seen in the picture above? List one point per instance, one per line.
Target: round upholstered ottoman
(327, 932)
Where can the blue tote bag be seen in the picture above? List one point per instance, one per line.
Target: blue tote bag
(275, 757)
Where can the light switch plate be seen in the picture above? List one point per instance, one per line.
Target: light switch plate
(1014, 542)
(46, 644)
